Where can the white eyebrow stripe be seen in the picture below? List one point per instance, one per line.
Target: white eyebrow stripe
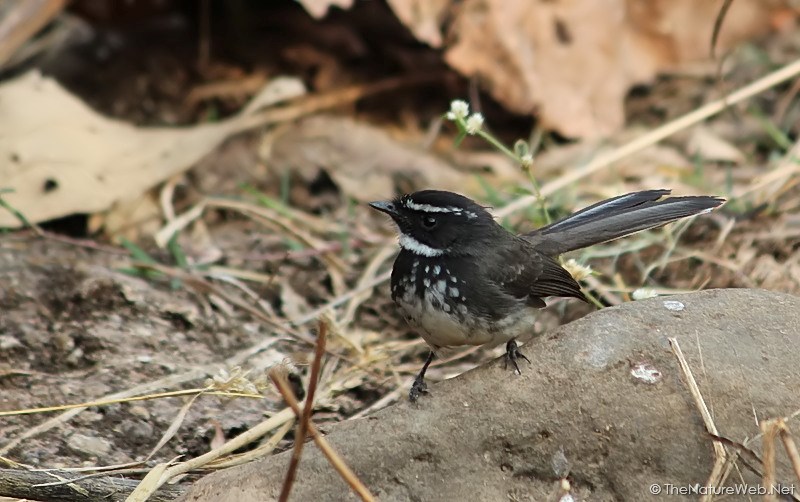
(427, 208)
(411, 244)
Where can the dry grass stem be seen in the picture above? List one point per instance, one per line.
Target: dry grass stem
(145, 397)
(170, 381)
(339, 300)
(306, 105)
(261, 451)
(770, 430)
(368, 277)
(604, 291)
(606, 159)
(791, 448)
(720, 455)
(783, 176)
(164, 472)
(173, 427)
(176, 224)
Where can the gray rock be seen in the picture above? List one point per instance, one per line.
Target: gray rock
(90, 446)
(604, 399)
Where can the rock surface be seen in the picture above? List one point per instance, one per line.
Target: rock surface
(604, 399)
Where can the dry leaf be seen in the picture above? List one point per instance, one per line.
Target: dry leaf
(219, 438)
(364, 162)
(319, 8)
(572, 62)
(422, 17)
(293, 305)
(62, 158)
(711, 147)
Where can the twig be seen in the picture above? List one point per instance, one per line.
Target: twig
(308, 104)
(33, 485)
(791, 448)
(749, 457)
(720, 453)
(305, 418)
(261, 451)
(299, 254)
(335, 460)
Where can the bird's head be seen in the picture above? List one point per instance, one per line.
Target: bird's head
(437, 223)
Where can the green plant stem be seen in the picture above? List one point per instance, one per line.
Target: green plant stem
(497, 144)
(534, 184)
(593, 299)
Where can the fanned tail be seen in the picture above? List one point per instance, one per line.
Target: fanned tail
(617, 217)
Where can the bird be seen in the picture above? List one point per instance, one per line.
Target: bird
(461, 278)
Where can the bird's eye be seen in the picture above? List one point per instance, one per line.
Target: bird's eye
(428, 222)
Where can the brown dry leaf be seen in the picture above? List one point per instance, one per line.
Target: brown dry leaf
(572, 62)
(61, 157)
(364, 162)
(219, 438)
(293, 304)
(319, 8)
(710, 147)
(422, 17)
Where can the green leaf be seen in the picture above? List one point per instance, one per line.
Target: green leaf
(177, 252)
(136, 252)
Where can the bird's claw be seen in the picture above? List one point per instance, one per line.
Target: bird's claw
(417, 388)
(512, 354)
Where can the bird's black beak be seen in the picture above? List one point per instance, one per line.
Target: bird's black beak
(384, 206)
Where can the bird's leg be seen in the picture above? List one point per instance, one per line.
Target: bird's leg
(512, 354)
(419, 386)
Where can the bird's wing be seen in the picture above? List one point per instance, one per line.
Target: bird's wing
(523, 272)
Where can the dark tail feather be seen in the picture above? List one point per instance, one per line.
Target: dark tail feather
(617, 217)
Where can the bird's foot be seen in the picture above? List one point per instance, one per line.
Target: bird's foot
(512, 354)
(418, 387)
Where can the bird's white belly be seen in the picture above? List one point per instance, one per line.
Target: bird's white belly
(444, 321)
(442, 328)
(438, 322)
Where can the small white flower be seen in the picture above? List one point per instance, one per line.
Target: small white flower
(578, 271)
(459, 109)
(474, 123)
(642, 293)
(527, 161)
